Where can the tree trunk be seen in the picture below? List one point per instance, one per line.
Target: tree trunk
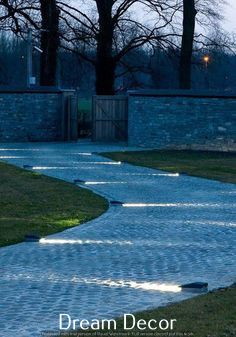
(105, 64)
(187, 44)
(49, 42)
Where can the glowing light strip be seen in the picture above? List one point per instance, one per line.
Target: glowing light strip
(73, 167)
(208, 222)
(21, 150)
(167, 174)
(101, 162)
(152, 174)
(148, 286)
(54, 278)
(12, 157)
(83, 242)
(63, 168)
(175, 205)
(104, 182)
(82, 153)
(53, 167)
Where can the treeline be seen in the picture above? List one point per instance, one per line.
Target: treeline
(141, 69)
(115, 45)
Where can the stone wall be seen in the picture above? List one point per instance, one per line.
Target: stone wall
(182, 120)
(33, 115)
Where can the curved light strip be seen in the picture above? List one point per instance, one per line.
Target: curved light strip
(82, 153)
(83, 242)
(12, 157)
(63, 168)
(55, 278)
(35, 150)
(148, 286)
(151, 174)
(179, 205)
(104, 182)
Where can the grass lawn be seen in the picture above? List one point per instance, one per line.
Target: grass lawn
(210, 315)
(212, 165)
(31, 203)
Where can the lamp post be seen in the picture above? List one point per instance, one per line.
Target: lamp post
(31, 80)
(29, 58)
(206, 60)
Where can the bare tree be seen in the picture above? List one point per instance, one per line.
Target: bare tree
(115, 31)
(105, 62)
(18, 15)
(50, 41)
(189, 15)
(104, 32)
(207, 14)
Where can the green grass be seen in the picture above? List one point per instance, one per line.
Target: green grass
(31, 203)
(212, 165)
(210, 315)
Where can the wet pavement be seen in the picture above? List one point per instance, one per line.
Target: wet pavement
(171, 229)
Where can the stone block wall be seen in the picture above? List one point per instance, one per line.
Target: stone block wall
(32, 115)
(182, 120)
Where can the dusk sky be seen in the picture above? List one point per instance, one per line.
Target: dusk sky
(230, 15)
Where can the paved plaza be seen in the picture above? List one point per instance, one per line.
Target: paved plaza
(171, 229)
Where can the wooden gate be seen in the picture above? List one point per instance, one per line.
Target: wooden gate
(110, 118)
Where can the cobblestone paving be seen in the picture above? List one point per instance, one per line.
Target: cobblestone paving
(172, 230)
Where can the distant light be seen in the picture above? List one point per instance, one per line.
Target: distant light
(206, 58)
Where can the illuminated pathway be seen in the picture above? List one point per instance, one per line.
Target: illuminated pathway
(171, 229)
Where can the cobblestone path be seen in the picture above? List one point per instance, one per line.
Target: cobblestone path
(171, 229)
